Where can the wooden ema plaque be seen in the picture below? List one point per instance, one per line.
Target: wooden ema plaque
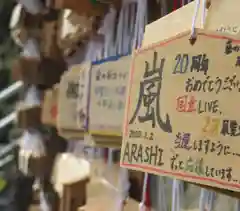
(182, 116)
(71, 109)
(107, 100)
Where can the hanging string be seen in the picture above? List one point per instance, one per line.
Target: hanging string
(195, 15)
(194, 19)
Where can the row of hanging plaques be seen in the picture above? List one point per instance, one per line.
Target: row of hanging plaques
(164, 134)
(89, 102)
(92, 95)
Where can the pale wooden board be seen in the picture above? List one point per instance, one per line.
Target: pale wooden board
(68, 117)
(172, 87)
(107, 98)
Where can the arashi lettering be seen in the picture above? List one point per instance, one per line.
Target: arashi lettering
(199, 63)
(150, 97)
(208, 106)
(217, 85)
(137, 153)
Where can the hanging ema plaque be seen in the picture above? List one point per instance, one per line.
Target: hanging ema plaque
(107, 96)
(182, 116)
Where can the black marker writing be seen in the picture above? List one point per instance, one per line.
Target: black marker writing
(208, 106)
(199, 63)
(217, 85)
(230, 128)
(149, 97)
(229, 48)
